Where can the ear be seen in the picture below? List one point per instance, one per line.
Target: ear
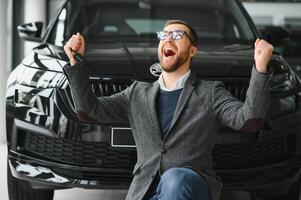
(193, 51)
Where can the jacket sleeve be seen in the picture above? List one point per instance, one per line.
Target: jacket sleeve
(111, 109)
(245, 116)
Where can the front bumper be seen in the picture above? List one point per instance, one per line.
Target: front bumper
(275, 179)
(42, 174)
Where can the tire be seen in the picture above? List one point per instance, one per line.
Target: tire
(20, 190)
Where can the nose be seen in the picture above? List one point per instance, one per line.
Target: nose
(169, 38)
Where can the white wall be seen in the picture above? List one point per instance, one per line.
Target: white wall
(4, 54)
(34, 10)
(274, 13)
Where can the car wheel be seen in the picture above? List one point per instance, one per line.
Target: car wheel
(20, 190)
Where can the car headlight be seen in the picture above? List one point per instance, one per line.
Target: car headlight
(38, 78)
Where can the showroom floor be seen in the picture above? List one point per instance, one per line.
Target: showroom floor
(79, 194)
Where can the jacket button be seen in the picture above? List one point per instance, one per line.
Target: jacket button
(163, 150)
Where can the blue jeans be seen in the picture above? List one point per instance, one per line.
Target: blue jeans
(181, 184)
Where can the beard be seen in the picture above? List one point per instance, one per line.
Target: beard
(176, 63)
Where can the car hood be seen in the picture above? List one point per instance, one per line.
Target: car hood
(134, 60)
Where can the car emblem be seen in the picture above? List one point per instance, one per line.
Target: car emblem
(155, 69)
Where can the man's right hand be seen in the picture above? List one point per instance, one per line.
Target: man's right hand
(76, 44)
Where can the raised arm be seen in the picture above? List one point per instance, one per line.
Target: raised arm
(88, 107)
(247, 116)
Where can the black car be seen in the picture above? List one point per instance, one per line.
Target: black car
(49, 148)
(290, 50)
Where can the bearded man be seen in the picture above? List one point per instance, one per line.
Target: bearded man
(174, 120)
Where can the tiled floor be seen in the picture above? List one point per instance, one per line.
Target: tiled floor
(82, 194)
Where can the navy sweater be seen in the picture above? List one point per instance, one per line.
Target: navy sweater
(166, 105)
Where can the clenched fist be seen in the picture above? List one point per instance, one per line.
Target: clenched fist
(262, 55)
(76, 44)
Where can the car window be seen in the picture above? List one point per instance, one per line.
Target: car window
(97, 20)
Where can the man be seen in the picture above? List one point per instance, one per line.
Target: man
(174, 120)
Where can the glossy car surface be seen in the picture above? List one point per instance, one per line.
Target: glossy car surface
(50, 148)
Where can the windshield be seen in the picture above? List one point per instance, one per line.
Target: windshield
(138, 20)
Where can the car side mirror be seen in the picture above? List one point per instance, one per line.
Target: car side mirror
(276, 35)
(31, 31)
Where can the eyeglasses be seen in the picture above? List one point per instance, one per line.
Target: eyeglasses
(176, 35)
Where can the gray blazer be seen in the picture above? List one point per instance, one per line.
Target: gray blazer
(202, 108)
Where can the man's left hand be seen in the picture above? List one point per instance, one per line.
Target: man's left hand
(262, 55)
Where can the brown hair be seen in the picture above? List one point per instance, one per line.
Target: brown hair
(193, 35)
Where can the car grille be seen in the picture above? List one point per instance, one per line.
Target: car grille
(92, 154)
(238, 90)
(107, 88)
(250, 154)
(112, 86)
(100, 88)
(95, 154)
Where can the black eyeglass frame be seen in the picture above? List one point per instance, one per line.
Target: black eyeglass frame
(174, 35)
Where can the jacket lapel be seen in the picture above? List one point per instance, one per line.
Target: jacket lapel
(151, 103)
(185, 94)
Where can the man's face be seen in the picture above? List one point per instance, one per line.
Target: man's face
(172, 53)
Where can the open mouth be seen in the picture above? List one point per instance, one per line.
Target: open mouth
(169, 52)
